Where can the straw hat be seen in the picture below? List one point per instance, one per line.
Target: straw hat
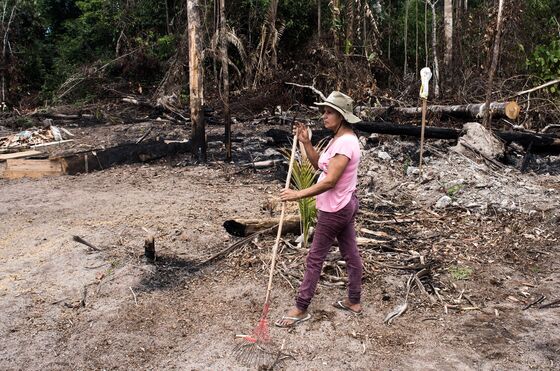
(342, 104)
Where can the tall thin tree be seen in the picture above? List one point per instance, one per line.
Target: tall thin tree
(494, 65)
(225, 78)
(196, 81)
(319, 19)
(5, 25)
(405, 38)
(434, 47)
(426, 50)
(335, 29)
(416, 69)
(448, 32)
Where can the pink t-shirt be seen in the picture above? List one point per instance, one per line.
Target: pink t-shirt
(336, 198)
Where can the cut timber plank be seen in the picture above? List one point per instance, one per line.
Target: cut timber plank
(8, 156)
(19, 168)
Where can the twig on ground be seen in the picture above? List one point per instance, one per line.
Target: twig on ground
(552, 304)
(231, 248)
(134, 295)
(84, 242)
(538, 301)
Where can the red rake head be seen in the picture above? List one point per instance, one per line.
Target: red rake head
(261, 333)
(254, 349)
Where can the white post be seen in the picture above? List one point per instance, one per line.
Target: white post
(425, 75)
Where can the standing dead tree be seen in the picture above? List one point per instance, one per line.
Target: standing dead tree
(448, 32)
(265, 59)
(432, 5)
(225, 77)
(196, 85)
(494, 65)
(5, 24)
(405, 70)
(334, 6)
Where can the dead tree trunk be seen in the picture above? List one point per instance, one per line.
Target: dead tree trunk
(434, 47)
(5, 27)
(319, 19)
(225, 79)
(405, 38)
(416, 68)
(542, 143)
(448, 31)
(469, 111)
(196, 86)
(494, 65)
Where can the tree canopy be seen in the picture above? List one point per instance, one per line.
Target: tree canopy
(359, 44)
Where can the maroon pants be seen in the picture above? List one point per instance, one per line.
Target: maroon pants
(339, 225)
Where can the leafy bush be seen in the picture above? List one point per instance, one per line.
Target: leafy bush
(545, 62)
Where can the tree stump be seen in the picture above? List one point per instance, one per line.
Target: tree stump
(150, 249)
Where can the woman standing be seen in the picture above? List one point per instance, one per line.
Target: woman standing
(337, 204)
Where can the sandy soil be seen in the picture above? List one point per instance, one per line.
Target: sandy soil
(172, 316)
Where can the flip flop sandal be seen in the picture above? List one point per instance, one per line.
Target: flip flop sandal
(295, 321)
(340, 305)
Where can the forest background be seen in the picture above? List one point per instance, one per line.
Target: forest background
(67, 51)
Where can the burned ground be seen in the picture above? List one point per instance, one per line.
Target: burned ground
(488, 254)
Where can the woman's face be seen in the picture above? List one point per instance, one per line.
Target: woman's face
(332, 119)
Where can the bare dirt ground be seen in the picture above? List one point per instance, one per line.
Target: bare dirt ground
(492, 251)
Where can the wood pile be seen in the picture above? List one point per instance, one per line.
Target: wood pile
(34, 138)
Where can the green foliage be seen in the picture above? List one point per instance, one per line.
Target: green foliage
(545, 62)
(407, 163)
(93, 33)
(299, 19)
(347, 46)
(454, 190)
(24, 122)
(304, 176)
(165, 47)
(460, 273)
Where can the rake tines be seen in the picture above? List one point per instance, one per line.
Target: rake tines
(254, 355)
(256, 349)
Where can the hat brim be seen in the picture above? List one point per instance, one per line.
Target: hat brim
(348, 116)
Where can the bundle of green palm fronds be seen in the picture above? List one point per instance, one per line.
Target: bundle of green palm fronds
(304, 176)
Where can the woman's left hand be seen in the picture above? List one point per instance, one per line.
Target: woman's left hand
(289, 195)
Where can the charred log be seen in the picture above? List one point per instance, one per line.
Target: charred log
(246, 227)
(541, 143)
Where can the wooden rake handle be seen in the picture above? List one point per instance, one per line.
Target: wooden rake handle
(279, 234)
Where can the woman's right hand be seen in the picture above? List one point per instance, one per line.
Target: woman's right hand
(302, 133)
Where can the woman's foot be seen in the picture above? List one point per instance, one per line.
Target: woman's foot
(292, 318)
(346, 305)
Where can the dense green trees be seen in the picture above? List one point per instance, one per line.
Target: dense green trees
(45, 42)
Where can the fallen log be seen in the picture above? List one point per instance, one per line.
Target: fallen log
(382, 127)
(542, 143)
(510, 110)
(245, 227)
